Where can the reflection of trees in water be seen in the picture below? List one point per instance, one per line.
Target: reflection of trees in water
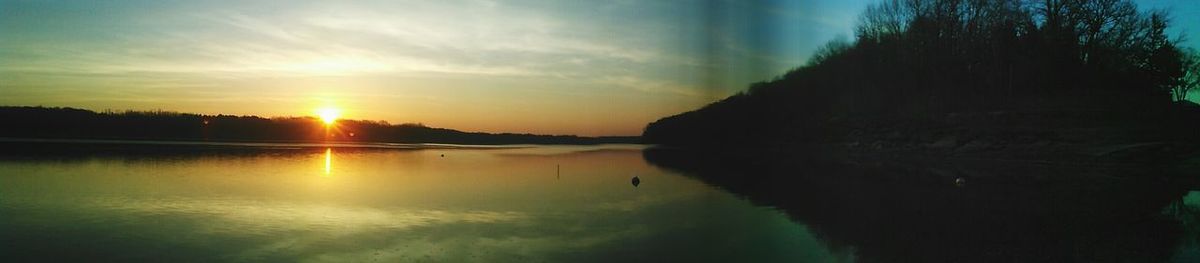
(898, 212)
(1188, 214)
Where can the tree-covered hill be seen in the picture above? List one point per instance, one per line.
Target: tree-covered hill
(962, 71)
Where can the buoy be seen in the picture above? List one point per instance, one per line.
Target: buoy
(636, 181)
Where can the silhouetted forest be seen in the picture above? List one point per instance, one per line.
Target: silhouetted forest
(43, 122)
(919, 72)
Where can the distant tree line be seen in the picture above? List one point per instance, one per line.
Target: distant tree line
(44, 122)
(924, 58)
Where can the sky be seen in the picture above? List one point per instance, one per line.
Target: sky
(549, 67)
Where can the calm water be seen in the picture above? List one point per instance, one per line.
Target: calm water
(561, 204)
(556, 204)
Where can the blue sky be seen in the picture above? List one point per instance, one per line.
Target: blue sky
(564, 67)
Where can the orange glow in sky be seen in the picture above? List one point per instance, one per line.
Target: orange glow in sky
(548, 68)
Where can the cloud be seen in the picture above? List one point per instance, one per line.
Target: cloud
(156, 53)
(653, 86)
(486, 38)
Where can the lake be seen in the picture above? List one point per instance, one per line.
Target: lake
(496, 204)
(447, 203)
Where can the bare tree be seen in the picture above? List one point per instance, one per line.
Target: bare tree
(887, 18)
(1191, 75)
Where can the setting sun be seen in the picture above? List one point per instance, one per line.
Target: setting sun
(328, 115)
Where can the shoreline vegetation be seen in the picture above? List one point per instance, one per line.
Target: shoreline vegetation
(70, 123)
(1093, 81)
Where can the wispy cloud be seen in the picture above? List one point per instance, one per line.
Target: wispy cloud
(653, 86)
(473, 38)
(158, 52)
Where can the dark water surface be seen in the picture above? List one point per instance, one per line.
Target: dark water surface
(562, 204)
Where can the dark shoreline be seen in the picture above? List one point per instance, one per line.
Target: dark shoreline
(80, 124)
(72, 149)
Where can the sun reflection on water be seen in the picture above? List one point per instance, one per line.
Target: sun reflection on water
(328, 159)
